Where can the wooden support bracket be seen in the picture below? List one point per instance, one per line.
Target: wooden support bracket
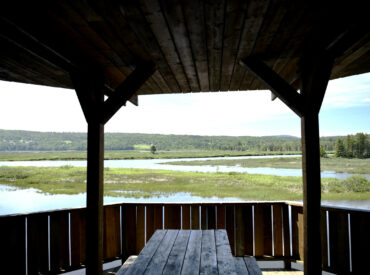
(275, 83)
(127, 89)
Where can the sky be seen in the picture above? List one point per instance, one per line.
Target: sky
(345, 110)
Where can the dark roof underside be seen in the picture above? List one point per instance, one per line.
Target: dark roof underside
(197, 45)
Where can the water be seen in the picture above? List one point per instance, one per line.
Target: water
(161, 164)
(16, 201)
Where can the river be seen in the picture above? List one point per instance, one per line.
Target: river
(14, 200)
(161, 164)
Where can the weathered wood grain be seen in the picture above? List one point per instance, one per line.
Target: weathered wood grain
(191, 263)
(208, 258)
(176, 258)
(146, 255)
(225, 261)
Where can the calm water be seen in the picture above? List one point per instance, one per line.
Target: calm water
(161, 164)
(14, 200)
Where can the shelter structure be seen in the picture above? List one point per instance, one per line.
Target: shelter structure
(123, 49)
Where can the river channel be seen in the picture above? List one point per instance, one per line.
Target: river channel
(14, 200)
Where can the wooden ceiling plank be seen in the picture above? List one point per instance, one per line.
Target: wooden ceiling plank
(234, 19)
(253, 22)
(31, 63)
(174, 16)
(214, 24)
(194, 20)
(138, 24)
(351, 57)
(157, 21)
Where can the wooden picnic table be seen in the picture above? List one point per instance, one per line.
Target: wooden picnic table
(190, 252)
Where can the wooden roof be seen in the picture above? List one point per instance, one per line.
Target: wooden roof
(197, 45)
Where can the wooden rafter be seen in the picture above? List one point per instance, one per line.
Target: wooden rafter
(275, 83)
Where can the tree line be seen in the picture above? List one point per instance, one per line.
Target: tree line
(11, 140)
(353, 146)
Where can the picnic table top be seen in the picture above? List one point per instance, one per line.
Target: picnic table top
(190, 252)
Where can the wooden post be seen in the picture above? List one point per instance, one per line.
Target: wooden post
(316, 70)
(94, 202)
(90, 92)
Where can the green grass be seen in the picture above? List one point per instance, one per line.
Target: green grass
(81, 155)
(147, 183)
(357, 166)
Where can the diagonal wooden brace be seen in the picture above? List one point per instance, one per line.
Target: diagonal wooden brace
(276, 84)
(127, 89)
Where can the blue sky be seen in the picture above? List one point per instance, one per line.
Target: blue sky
(345, 110)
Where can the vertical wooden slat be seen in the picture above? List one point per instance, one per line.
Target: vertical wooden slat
(78, 237)
(13, 244)
(221, 216)
(324, 240)
(211, 216)
(172, 217)
(203, 216)
(195, 216)
(140, 228)
(37, 229)
(230, 226)
(154, 219)
(278, 230)
(286, 230)
(360, 240)
(128, 231)
(59, 241)
(339, 246)
(243, 230)
(112, 246)
(267, 230)
(297, 232)
(258, 230)
(186, 217)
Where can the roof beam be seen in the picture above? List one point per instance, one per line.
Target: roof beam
(275, 83)
(127, 89)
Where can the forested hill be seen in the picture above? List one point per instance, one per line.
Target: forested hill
(50, 141)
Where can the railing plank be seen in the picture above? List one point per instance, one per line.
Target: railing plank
(78, 237)
(230, 226)
(37, 229)
(324, 239)
(262, 229)
(338, 240)
(221, 216)
(172, 216)
(195, 216)
(13, 248)
(128, 231)
(278, 230)
(112, 247)
(186, 217)
(243, 230)
(140, 228)
(208, 217)
(297, 232)
(154, 219)
(59, 241)
(286, 230)
(360, 228)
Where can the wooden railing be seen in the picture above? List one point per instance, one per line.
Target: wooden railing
(53, 242)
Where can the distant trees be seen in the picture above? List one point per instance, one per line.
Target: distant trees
(153, 149)
(353, 146)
